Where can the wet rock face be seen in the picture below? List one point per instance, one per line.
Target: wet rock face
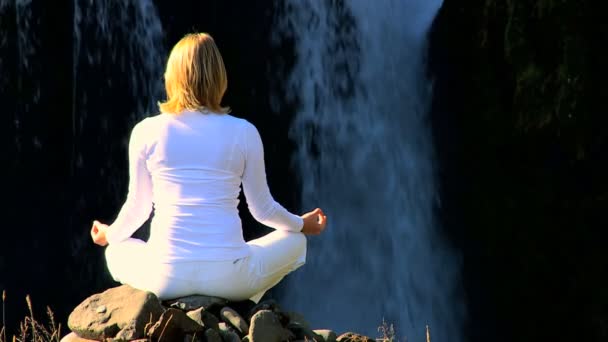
(518, 99)
(127, 314)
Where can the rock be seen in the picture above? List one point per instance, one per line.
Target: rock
(192, 338)
(173, 325)
(204, 318)
(231, 317)
(304, 333)
(243, 308)
(127, 311)
(326, 334)
(72, 337)
(269, 304)
(229, 336)
(212, 336)
(265, 327)
(227, 333)
(190, 303)
(353, 337)
(295, 317)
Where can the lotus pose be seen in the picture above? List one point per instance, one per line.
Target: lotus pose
(187, 165)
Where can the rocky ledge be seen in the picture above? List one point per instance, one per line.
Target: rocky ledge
(126, 314)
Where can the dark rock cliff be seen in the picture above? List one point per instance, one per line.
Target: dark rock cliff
(520, 123)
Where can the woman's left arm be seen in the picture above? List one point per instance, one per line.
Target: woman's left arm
(138, 205)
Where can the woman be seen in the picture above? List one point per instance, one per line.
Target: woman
(188, 164)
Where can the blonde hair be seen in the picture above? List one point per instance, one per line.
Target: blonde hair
(195, 78)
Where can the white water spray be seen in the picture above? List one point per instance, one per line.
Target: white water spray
(126, 35)
(365, 155)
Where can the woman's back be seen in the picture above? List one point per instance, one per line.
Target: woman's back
(196, 162)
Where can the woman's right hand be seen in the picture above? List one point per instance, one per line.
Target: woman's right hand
(314, 222)
(98, 233)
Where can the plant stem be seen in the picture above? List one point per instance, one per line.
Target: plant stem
(29, 305)
(3, 317)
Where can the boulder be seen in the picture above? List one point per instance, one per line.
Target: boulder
(269, 304)
(327, 335)
(194, 302)
(302, 332)
(121, 313)
(204, 318)
(266, 327)
(294, 317)
(353, 337)
(235, 320)
(229, 335)
(72, 337)
(173, 325)
(212, 336)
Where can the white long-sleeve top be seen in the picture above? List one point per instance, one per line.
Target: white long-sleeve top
(188, 168)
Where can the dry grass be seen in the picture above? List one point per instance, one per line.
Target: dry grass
(29, 329)
(388, 333)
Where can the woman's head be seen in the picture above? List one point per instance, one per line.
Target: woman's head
(195, 76)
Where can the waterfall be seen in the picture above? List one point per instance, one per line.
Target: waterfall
(115, 55)
(365, 156)
(125, 38)
(123, 50)
(118, 63)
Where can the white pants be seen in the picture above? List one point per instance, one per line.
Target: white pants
(272, 257)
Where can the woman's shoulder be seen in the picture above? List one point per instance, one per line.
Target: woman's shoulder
(242, 123)
(148, 120)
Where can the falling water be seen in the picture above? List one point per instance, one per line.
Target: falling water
(126, 41)
(70, 97)
(123, 47)
(118, 55)
(365, 156)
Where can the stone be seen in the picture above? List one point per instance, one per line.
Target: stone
(269, 304)
(127, 311)
(243, 307)
(204, 318)
(232, 317)
(227, 333)
(229, 336)
(326, 334)
(283, 318)
(353, 337)
(295, 317)
(302, 332)
(212, 336)
(194, 302)
(173, 325)
(266, 327)
(72, 337)
(192, 338)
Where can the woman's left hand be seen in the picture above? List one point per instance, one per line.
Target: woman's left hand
(98, 233)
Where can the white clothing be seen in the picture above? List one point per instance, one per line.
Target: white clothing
(189, 167)
(272, 257)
